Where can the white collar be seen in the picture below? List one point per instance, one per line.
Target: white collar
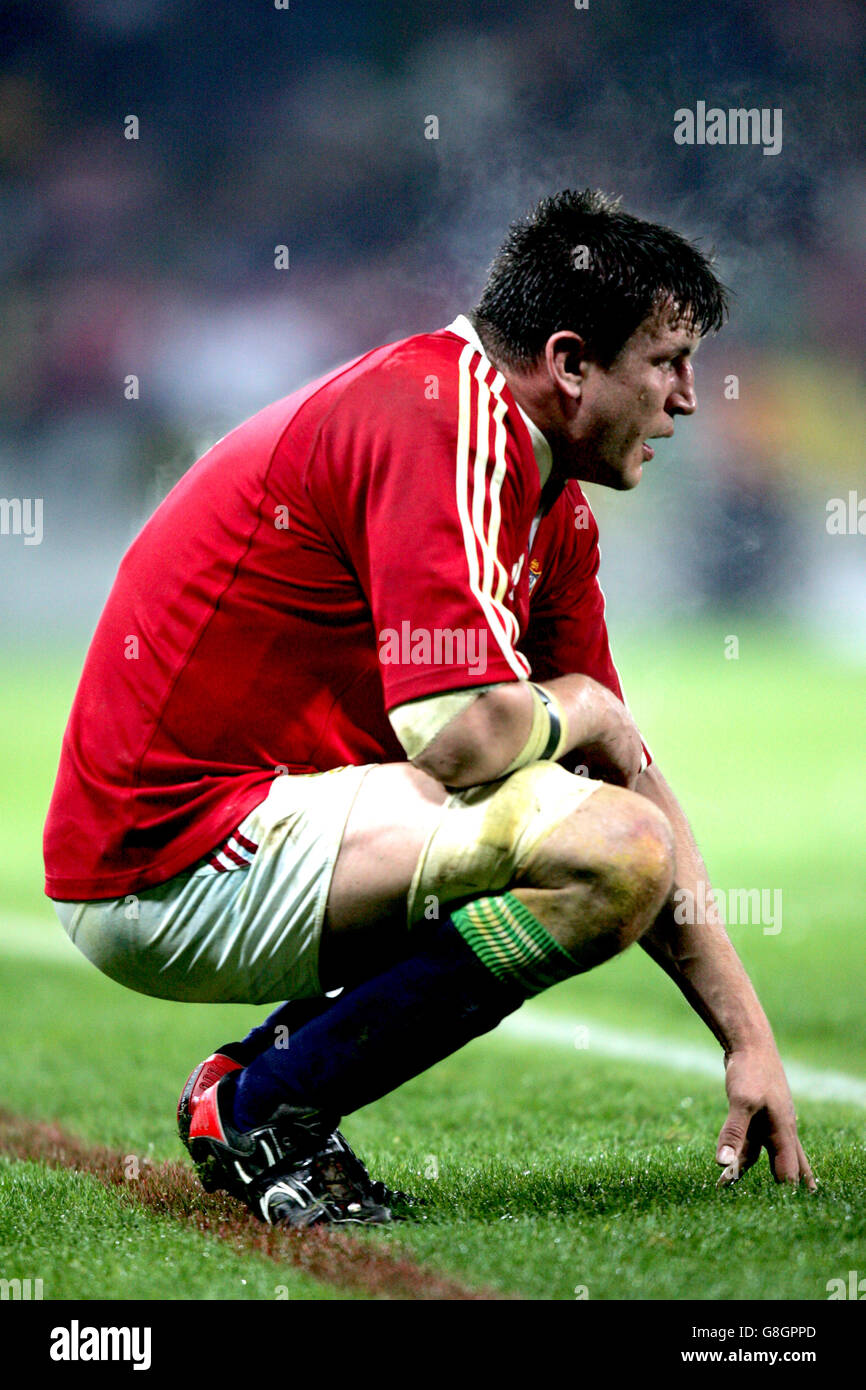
(540, 447)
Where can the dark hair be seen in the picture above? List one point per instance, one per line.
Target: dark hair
(577, 262)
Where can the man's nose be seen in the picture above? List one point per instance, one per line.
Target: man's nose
(683, 398)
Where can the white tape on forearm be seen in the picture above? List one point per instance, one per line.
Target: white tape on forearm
(548, 736)
(417, 723)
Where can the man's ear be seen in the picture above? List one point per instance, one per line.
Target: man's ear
(565, 354)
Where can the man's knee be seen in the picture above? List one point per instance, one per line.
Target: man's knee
(485, 835)
(640, 873)
(622, 849)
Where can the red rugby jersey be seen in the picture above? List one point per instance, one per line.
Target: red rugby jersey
(361, 543)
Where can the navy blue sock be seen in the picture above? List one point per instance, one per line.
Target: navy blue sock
(290, 1017)
(381, 1033)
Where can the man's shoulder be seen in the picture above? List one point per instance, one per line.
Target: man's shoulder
(409, 373)
(388, 361)
(428, 391)
(430, 360)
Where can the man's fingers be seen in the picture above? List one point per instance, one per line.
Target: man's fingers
(788, 1161)
(805, 1170)
(736, 1162)
(734, 1135)
(729, 1175)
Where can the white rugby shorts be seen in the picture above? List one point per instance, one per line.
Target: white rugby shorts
(243, 925)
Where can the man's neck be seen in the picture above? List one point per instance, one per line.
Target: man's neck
(534, 409)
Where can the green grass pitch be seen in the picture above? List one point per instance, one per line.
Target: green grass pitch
(570, 1158)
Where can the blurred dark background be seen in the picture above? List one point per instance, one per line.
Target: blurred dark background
(305, 127)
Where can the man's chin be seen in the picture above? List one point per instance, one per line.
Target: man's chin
(623, 479)
(632, 477)
(631, 471)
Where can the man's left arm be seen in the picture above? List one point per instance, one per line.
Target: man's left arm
(701, 960)
(568, 633)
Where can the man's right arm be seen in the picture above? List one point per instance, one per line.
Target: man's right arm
(486, 737)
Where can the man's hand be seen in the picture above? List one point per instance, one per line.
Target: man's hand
(761, 1115)
(600, 728)
(700, 958)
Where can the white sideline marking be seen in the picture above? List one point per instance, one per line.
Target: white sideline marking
(35, 938)
(812, 1083)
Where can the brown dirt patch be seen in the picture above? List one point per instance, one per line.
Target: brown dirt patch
(170, 1189)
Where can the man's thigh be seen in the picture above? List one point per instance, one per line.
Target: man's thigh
(397, 809)
(408, 841)
(392, 816)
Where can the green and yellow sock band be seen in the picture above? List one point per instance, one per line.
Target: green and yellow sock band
(512, 943)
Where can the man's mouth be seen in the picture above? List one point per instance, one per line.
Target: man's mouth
(648, 452)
